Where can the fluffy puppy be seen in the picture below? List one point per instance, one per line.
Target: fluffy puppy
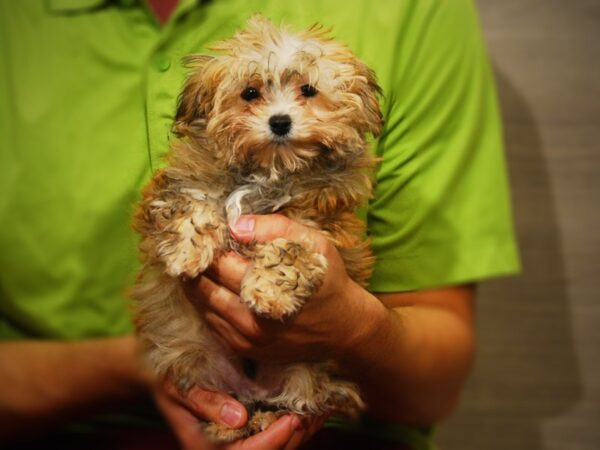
(277, 122)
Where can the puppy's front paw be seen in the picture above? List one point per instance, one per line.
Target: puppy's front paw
(192, 242)
(284, 275)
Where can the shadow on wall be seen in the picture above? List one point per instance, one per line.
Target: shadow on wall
(527, 369)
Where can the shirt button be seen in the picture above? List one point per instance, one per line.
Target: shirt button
(162, 62)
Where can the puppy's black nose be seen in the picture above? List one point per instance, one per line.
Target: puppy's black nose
(280, 124)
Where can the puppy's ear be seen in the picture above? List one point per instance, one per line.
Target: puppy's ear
(369, 92)
(195, 98)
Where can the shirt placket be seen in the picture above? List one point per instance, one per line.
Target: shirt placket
(161, 85)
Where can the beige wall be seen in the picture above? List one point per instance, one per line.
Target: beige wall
(536, 384)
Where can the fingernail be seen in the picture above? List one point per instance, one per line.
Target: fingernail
(231, 415)
(244, 225)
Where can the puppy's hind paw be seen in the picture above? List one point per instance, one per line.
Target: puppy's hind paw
(284, 275)
(217, 433)
(259, 421)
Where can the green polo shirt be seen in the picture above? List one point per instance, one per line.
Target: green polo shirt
(89, 91)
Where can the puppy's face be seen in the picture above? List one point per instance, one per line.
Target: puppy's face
(280, 101)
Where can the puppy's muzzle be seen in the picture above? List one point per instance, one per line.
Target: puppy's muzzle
(280, 124)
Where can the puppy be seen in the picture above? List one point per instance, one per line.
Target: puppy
(276, 123)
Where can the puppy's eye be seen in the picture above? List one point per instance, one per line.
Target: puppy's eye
(308, 90)
(250, 93)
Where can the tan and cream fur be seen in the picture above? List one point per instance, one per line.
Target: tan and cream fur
(277, 122)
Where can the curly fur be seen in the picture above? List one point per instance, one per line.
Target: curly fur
(227, 162)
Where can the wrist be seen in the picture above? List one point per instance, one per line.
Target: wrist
(367, 321)
(126, 364)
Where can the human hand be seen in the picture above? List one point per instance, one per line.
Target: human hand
(183, 413)
(328, 324)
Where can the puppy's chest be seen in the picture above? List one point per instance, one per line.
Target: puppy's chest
(253, 198)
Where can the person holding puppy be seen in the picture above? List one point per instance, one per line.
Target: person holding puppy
(91, 89)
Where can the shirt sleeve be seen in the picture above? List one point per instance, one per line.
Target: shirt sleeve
(441, 211)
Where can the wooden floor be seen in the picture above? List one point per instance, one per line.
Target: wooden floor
(536, 384)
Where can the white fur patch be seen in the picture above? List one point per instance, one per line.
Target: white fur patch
(233, 204)
(258, 196)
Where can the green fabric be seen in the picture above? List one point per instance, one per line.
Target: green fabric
(441, 213)
(89, 92)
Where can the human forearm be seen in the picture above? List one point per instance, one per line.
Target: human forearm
(46, 382)
(412, 356)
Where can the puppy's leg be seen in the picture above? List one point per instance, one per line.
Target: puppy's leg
(333, 396)
(313, 389)
(284, 275)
